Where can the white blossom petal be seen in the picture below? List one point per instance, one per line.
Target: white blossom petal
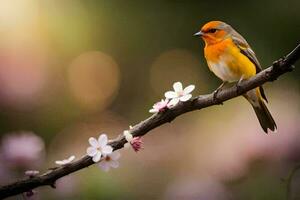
(107, 149)
(128, 136)
(177, 87)
(91, 151)
(97, 157)
(31, 173)
(185, 97)
(65, 161)
(71, 158)
(173, 102)
(93, 142)
(114, 163)
(171, 95)
(59, 162)
(102, 140)
(153, 110)
(188, 89)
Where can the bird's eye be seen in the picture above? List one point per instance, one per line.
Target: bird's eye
(213, 30)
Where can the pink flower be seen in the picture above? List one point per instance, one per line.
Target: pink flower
(29, 195)
(135, 142)
(109, 161)
(159, 106)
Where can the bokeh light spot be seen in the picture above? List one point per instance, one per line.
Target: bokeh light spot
(176, 65)
(94, 80)
(23, 76)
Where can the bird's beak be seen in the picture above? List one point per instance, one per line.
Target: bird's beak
(200, 33)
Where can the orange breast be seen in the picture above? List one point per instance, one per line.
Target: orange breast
(213, 52)
(227, 62)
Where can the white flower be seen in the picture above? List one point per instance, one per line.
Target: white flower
(98, 147)
(128, 135)
(159, 106)
(179, 94)
(65, 161)
(109, 161)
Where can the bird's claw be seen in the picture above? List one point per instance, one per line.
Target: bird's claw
(238, 86)
(215, 93)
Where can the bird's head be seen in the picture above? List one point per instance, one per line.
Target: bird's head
(214, 31)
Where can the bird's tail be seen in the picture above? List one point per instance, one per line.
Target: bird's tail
(263, 114)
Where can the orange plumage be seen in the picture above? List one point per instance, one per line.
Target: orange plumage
(231, 59)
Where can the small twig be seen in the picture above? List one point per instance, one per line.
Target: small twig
(272, 73)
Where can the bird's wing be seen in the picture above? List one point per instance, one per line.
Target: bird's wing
(245, 49)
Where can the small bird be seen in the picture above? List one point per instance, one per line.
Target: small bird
(231, 59)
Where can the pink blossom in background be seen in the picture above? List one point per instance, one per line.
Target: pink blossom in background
(194, 188)
(4, 172)
(110, 161)
(23, 149)
(66, 186)
(23, 75)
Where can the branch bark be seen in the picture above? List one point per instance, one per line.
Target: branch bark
(278, 68)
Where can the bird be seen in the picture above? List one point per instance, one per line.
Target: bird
(231, 59)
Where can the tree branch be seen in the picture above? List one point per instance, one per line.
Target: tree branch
(278, 68)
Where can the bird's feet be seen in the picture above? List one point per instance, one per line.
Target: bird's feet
(238, 85)
(215, 93)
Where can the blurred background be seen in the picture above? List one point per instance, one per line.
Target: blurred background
(74, 69)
